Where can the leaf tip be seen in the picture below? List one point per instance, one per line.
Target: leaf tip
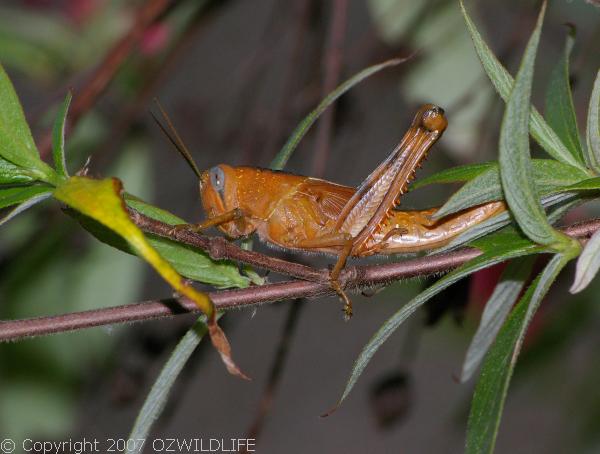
(331, 411)
(571, 29)
(221, 344)
(578, 286)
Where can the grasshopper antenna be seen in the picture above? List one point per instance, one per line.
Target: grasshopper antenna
(174, 138)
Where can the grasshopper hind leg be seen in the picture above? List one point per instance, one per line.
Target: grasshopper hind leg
(346, 241)
(335, 274)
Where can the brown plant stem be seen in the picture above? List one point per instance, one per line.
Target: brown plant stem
(332, 62)
(220, 249)
(279, 115)
(106, 70)
(353, 278)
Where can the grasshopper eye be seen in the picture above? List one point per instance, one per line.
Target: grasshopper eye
(217, 180)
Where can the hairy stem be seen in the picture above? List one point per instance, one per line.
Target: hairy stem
(353, 278)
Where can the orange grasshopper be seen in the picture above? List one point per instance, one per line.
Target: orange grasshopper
(302, 213)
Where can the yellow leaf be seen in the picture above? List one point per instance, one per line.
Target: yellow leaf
(102, 201)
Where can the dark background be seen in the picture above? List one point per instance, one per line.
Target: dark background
(237, 76)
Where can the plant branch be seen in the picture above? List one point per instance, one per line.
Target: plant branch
(104, 73)
(353, 278)
(332, 62)
(219, 248)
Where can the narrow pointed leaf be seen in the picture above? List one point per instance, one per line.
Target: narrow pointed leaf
(27, 203)
(591, 184)
(502, 253)
(16, 142)
(593, 127)
(247, 244)
(102, 200)
(13, 150)
(560, 111)
(556, 204)
(285, 153)
(58, 137)
(197, 265)
(515, 162)
(152, 211)
(588, 264)
(492, 387)
(158, 395)
(496, 310)
(19, 194)
(459, 174)
(549, 176)
(12, 116)
(13, 174)
(503, 83)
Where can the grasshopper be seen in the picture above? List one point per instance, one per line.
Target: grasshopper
(306, 214)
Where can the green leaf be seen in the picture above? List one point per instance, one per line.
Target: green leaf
(591, 184)
(587, 264)
(197, 265)
(515, 162)
(152, 211)
(505, 251)
(496, 310)
(492, 387)
(102, 201)
(557, 205)
(256, 279)
(593, 127)
(12, 174)
(459, 174)
(285, 153)
(189, 262)
(500, 240)
(560, 111)
(11, 149)
(549, 176)
(25, 197)
(58, 137)
(12, 116)
(157, 398)
(503, 83)
(16, 142)
(19, 194)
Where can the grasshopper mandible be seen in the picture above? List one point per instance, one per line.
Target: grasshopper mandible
(302, 213)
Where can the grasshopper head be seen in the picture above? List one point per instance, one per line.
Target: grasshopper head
(218, 192)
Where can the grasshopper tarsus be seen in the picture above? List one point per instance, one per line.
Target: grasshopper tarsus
(177, 228)
(347, 310)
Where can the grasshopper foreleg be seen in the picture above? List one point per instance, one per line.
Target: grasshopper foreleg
(229, 216)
